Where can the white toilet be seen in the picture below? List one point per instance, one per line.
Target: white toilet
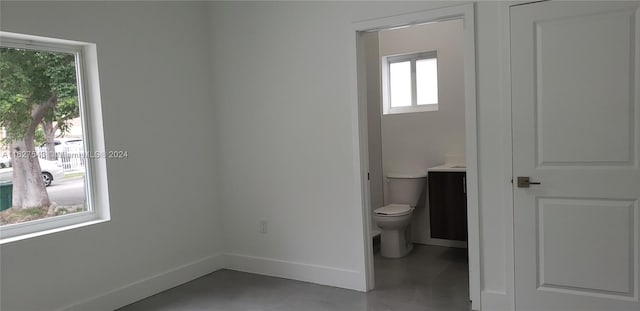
(393, 219)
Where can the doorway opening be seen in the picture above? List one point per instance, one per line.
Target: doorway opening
(417, 126)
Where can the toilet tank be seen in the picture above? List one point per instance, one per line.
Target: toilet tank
(406, 188)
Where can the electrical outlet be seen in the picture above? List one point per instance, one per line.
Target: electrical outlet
(263, 226)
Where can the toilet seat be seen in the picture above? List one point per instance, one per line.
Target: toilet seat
(394, 210)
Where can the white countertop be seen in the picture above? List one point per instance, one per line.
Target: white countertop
(449, 168)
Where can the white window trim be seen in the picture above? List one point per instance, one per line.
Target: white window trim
(91, 113)
(386, 93)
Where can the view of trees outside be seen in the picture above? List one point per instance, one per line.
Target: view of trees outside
(41, 148)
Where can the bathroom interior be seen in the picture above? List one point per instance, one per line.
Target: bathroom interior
(416, 146)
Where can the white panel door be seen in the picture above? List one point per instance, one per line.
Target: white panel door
(576, 117)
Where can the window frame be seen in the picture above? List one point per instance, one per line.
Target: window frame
(96, 186)
(386, 82)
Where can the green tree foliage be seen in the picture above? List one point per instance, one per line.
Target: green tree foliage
(29, 78)
(39, 137)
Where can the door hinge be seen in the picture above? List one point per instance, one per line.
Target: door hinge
(368, 176)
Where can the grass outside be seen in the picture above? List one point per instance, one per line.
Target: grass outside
(76, 174)
(14, 216)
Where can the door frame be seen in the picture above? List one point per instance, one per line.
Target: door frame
(465, 12)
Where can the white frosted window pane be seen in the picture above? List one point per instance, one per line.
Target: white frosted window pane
(400, 84)
(427, 81)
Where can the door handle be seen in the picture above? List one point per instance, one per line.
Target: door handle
(524, 182)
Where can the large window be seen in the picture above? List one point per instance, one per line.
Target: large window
(52, 158)
(410, 82)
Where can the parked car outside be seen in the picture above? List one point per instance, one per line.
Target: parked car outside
(51, 170)
(63, 144)
(5, 162)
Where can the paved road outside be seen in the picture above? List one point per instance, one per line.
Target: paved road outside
(67, 191)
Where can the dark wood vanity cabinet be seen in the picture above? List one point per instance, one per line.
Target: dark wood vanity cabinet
(448, 205)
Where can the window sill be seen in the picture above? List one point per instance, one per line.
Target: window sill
(411, 109)
(48, 226)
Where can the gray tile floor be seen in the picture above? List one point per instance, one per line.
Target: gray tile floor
(430, 278)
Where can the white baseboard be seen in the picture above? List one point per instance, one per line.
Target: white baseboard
(141, 289)
(343, 278)
(496, 301)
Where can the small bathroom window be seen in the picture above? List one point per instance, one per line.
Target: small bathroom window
(410, 82)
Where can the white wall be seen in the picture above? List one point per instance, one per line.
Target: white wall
(154, 74)
(281, 84)
(414, 142)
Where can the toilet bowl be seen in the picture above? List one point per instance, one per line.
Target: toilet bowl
(393, 219)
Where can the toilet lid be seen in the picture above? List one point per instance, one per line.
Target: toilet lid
(393, 210)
